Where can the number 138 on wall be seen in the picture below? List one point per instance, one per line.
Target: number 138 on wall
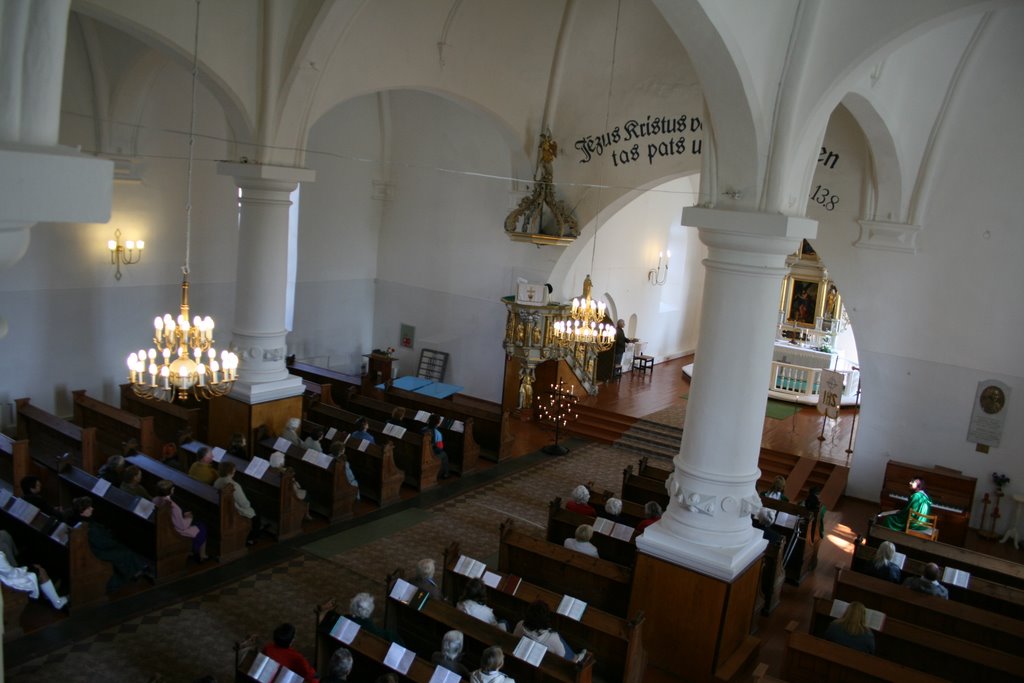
(824, 196)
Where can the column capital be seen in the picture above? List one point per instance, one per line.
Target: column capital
(264, 176)
(749, 231)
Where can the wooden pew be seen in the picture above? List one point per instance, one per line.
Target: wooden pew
(562, 524)
(980, 592)
(83, 577)
(273, 496)
(15, 603)
(899, 602)
(487, 416)
(412, 453)
(462, 449)
(644, 468)
(814, 660)
(329, 493)
(617, 643)
(50, 437)
(338, 381)
(227, 529)
(936, 653)
(152, 537)
(15, 460)
(600, 583)
(115, 426)
(423, 629)
(773, 575)
(643, 489)
(805, 535)
(169, 419)
(978, 564)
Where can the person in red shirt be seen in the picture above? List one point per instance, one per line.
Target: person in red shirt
(581, 502)
(653, 512)
(282, 652)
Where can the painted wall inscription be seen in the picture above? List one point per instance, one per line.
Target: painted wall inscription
(650, 138)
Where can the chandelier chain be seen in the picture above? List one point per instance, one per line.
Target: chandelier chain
(191, 145)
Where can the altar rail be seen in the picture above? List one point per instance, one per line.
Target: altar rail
(803, 381)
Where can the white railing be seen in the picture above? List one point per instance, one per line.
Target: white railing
(803, 381)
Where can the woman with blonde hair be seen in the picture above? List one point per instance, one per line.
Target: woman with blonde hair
(851, 629)
(884, 565)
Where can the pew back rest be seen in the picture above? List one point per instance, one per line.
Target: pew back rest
(114, 425)
(812, 660)
(50, 437)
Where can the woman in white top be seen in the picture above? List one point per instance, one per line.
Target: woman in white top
(582, 544)
(21, 579)
(537, 627)
(473, 603)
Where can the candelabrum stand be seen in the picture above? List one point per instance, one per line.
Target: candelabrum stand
(559, 406)
(991, 533)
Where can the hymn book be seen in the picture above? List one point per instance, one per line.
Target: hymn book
(490, 579)
(61, 533)
(282, 444)
(607, 527)
(406, 593)
(362, 445)
(443, 675)
(421, 416)
(530, 651)
(257, 467)
(100, 487)
(394, 430)
(143, 508)
(345, 630)
(875, 619)
(467, 566)
(5, 498)
(510, 584)
(899, 559)
(330, 433)
(218, 453)
(571, 607)
(285, 675)
(24, 510)
(784, 519)
(399, 658)
(263, 669)
(956, 577)
(458, 426)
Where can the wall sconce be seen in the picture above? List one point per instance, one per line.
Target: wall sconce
(128, 253)
(657, 276)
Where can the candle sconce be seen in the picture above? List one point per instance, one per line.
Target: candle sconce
(658, 276)
(128, 253)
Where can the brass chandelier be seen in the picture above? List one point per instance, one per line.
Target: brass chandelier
(183, 359)
(585, 323)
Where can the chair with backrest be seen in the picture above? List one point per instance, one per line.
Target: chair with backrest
(921, 525)
(641, 361)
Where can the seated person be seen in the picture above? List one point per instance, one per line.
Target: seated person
(282, 652)
(361, 432)
(313, 441)
(338, 453)
(764, 521)
(536, 626)
(852, 630)
(437, 444)
(277, 463)
(580, 502)
(242, 505)
(884, 566)
(929, 583)
(451, 653)
(130, 447)
(474, 603)
(183, 522)
(203, 468)
(426, 570)
(237, 446)
(777, 490)
(612, 511)
(133, 482)
(127, 565)
(397, 417)
(291, 431)
(813, 502)
(361, 612)
(581, 543)
(32, 581)
(113, 469)
(653, 512)
(32, 492)
(491, 662)
(919, 502)
(339, 667)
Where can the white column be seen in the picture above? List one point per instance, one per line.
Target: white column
(707, 525)
(262, 280)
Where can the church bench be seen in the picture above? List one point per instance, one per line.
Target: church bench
(644, 468)
(805, 537)
(169, 419)
(15, 603)
(936, 653)
(632, 511)
(899, 602)
(227, 529)
(114, 426)
(273, 497)
(152, 537)
(339, 382)
(562, 524)
(50, 438)
(982, 593)
(487, 417)
(773, 575)
(641, 490)
(82, 576)
(368, 651)
(978, 564)
(329, 493)
(616, 642)
(15, 459)
(423, 629)
(598, 582)
(412, 453)
(462, 449)
(814, 660)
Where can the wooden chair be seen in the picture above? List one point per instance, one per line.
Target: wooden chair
(922, 526)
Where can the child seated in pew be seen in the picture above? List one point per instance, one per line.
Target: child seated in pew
(242, 505)
(580, 502)
(32, 492)
(851, 629)
(451, 653)
(104, 545)
(277, 463)
(133, 482)
(339, 667)
(32, 581)
(474, 603)
(433, 428)
(183, 522)
(282, 652)
(777, 490)
(338, 453)
(491, 662)
(581, 543)
(362, 431)
(536, 626)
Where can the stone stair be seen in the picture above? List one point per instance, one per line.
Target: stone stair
(636, 435)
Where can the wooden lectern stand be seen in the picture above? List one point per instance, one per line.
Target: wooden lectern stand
(378, 369)
(229, 415)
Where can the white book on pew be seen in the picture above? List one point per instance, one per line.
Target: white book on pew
(403, 591)
(331, 432)
(24, 510)
(100, 487)
(784, 519)
(956, 577)
(399, 658)
(604, 526)
(490, 579)
(530, 651)
(61, 533)
(218, 453)
(345, 630)
(875, 619)
(282, 444)
(324, 460)
(257, 467)
(285, 675)
(263, 669)
(443, 675)
(421, 416)
(5, 498)
(571, 607)
(311, 456)
(394, 430)
(143, 508)
(458, 426)
(899, 559)
(363, 445)
(467, 566)
(622, 532)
